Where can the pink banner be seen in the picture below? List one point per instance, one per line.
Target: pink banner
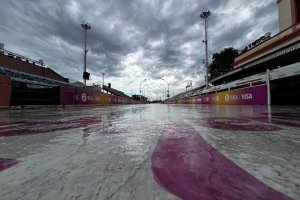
(70, 96)
(256, 95)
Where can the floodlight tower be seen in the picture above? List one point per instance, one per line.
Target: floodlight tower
(103, 74)
(86, 26)
(204, 15)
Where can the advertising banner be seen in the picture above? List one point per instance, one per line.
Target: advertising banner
(256, 95)
(69, 96)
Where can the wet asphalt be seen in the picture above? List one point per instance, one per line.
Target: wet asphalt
(151, 151)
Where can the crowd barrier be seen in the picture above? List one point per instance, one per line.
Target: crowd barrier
(255, 95)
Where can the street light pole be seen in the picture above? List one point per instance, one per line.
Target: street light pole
(86, 27)
(163, 95)
(144, 90)
(168, 95)
(141, 89)
(204, 15)
(164, 88)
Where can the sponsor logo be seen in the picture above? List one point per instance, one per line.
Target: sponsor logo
(216, 98)
(227, 97)
(231, 97)
(83, 97)
(236, 97)
(247, 96)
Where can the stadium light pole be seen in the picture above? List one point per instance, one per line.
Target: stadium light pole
(204, 15)
(86, 27)
(141, 89)
(168, 95)
(103, 74)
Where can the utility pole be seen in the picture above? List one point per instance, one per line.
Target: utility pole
(204, 15)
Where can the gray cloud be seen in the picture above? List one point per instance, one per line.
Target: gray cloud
(132, 39)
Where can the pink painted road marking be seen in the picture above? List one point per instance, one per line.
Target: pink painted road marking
(235, 124)
(184, 164)
(36, 127)
(7, 163)
(284, 119)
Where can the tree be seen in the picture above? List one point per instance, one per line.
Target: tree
(139, 97)
(222, 62)
(136, 97)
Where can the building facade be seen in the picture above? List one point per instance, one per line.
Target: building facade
(287, 40)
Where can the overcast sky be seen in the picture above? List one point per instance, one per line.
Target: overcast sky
(131, 40)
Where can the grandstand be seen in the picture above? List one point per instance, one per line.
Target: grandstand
(13, 61)
(283, 85)
(268, 60)
(114, 91)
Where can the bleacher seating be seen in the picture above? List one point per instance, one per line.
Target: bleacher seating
(34, 79)
(114, 91)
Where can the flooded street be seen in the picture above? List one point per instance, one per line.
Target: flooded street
(150, 152)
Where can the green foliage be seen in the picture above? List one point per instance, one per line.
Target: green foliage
(222, 62)
(138, 97)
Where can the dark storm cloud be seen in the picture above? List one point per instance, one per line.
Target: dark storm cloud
(231, 35)
(161, 38)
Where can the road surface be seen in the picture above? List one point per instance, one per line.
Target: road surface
(150, 152)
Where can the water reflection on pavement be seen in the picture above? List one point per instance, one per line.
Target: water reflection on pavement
(150, 152)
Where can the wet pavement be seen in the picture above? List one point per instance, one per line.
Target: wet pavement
(150, 152)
